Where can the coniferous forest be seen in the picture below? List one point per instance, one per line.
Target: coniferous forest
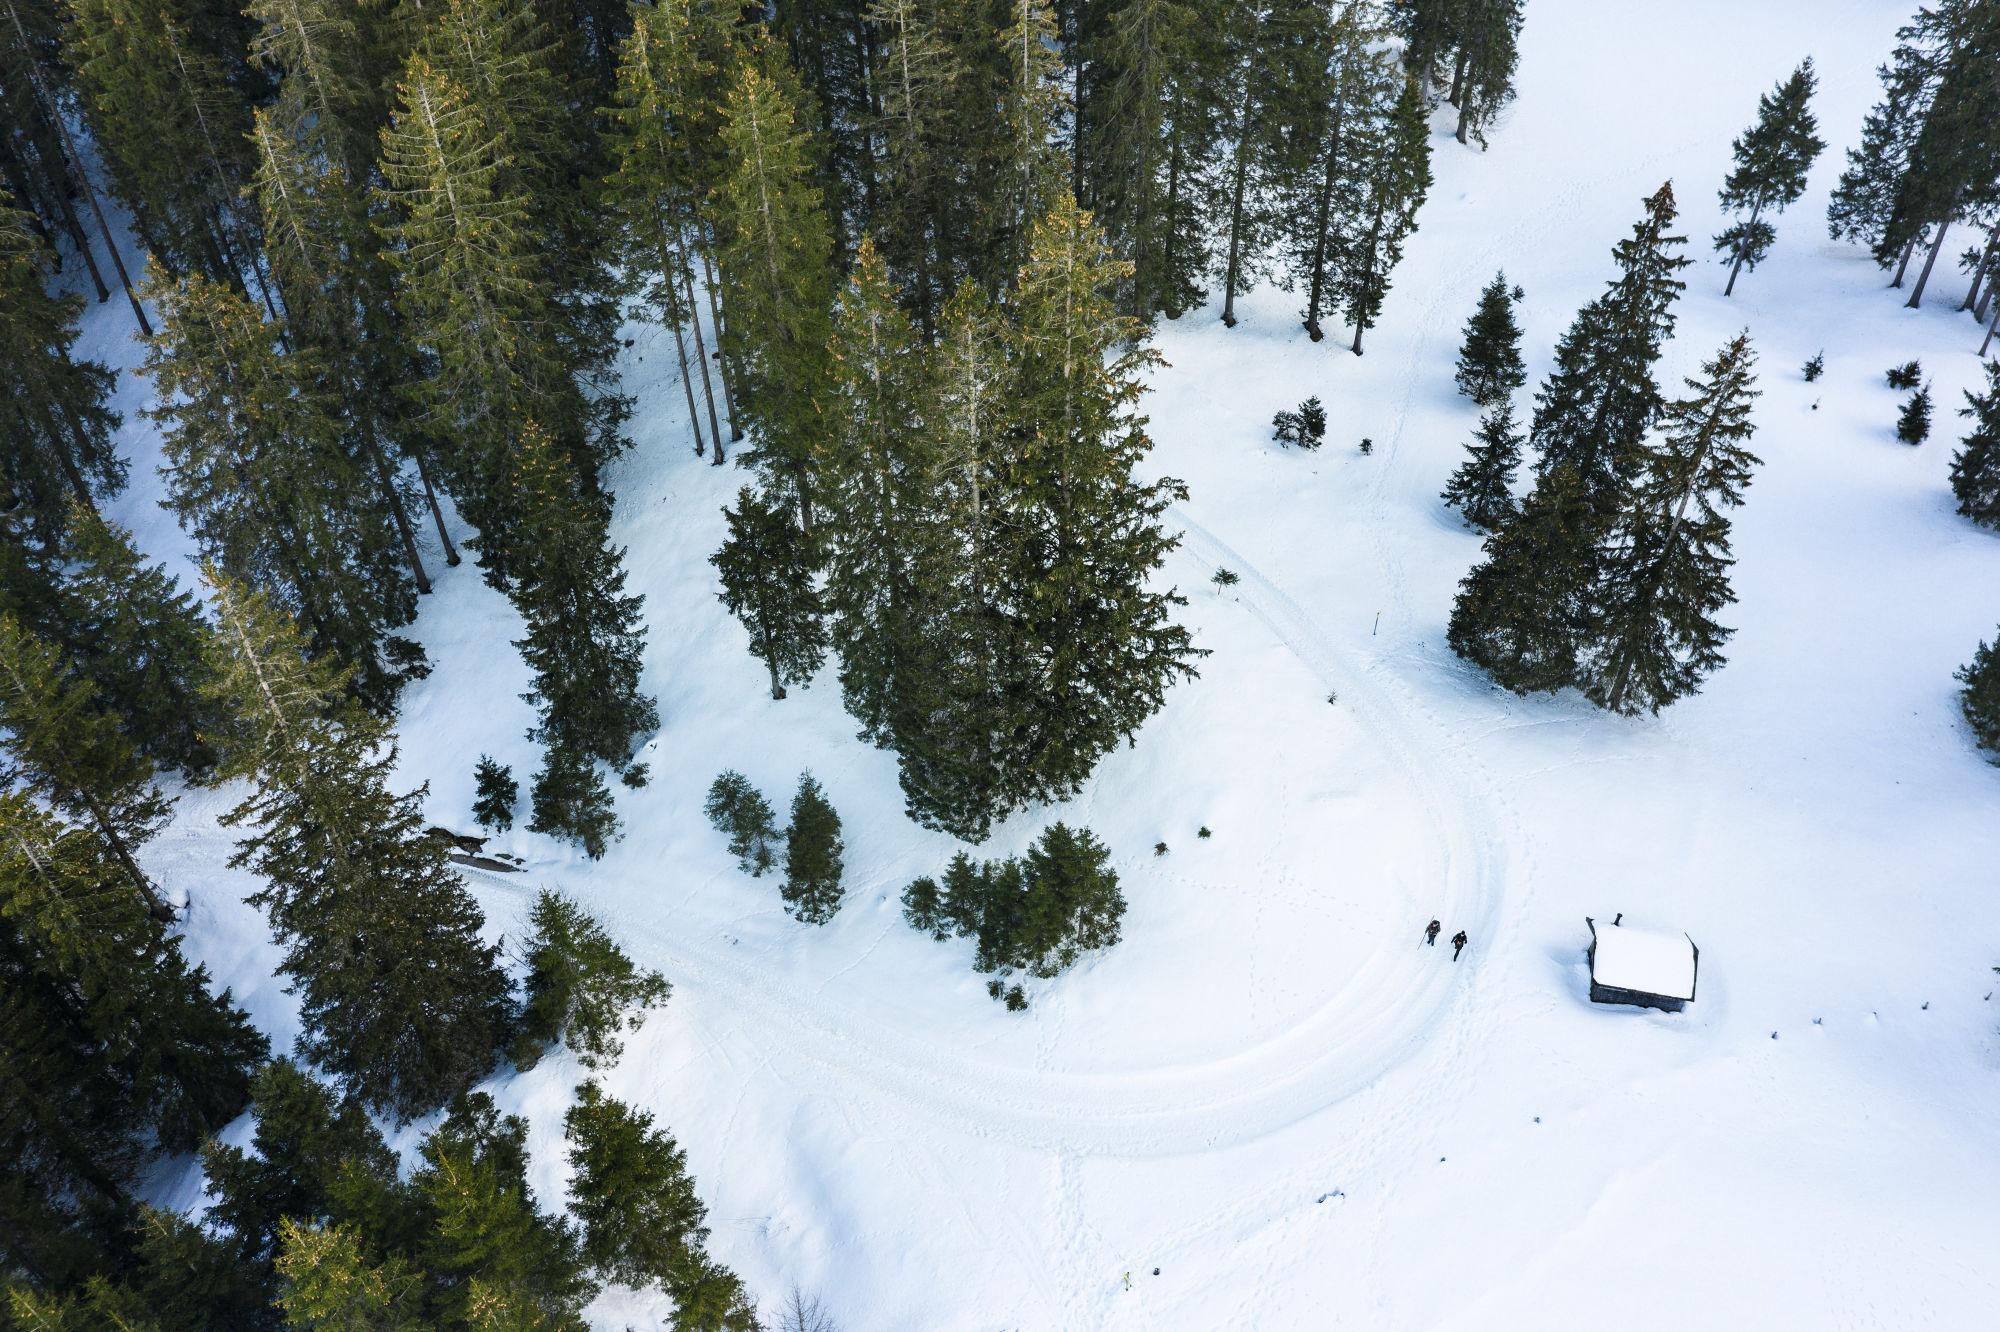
(910, 262)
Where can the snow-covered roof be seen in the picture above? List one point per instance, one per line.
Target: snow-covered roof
(1650, 961)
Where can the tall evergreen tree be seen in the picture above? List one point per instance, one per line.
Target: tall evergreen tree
(837, 52)
(737, 808)
(1085, 537)
(1320, 180)
(1772, 159)
(112, 1049)
(1151, 143)
(1398, 175)
(581, 988)
(631, 1191)
(1980, 697)
(1975, 468)
(258, 473)
(1037, 113)
(1483, 69)
(141, 641)
(166, 95)
(1482, 487)
(571, 801)
(55, 424)
(1523, 613)
(812, 855)
(585, 639)
(777, 276)
(1595, 407)
(354, 887)
(1666, 571)
(1257, 84)
(62, 749)
(1489, 364)
(766, 571)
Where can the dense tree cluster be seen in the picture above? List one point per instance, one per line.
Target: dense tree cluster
(1929, 158)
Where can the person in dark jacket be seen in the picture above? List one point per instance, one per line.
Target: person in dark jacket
(1431, 933)
(1457, 945)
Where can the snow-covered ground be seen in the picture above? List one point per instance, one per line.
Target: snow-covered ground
(1271, 1091)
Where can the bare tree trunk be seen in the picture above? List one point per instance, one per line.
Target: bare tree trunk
(694, 417)
(721, 358)
(1985, 267)
(1236, 221)
(1743, 247)
(1917, 296)
(701, 355)
(1320, 227)
(395, 502)
(1908, 250)
(437, 514)
(1989, 329)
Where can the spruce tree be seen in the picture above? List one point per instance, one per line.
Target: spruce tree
(1152, 141)
(60, 748)
(1482, 487)
(1090, 640)
(1397, 176)
(1666, 568)
(165, 96)
(878, 527)
(585, 640)
(1975, 468)
(631, 1192)
(581, 988)
(258, 473)
(1037, 116)
(1257, 84)
(777, 275)
(708, 1297)
(331, 1280)
(812, 855)
(736, 808)
(1980, 697)
(570, 800)
(497, 794)
(1320, 180)
(766, 570)
(1523, 613)
(1772, 159)
(112, 1048)
(1489, 364)
(1913, 427)
(1595, 407)
(354, 887)
(1489, 35)
(55, 426)
(139, 639)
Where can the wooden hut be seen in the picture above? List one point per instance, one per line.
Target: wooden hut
(1649, 968)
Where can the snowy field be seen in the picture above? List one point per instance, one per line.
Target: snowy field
(1270, 1090)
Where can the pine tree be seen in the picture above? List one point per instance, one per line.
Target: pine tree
(168, 103)
(1980, 698)
(354, 887)
(1319, 180)
(1666, 570)
(60, 748)
(708, 1297)
(1913, 427)
(737, 808)
(1975, 468)
(258, 474)
(487, 1242)
(1398, 175)
(1865, 197)
(1256, 84)
(1083, 537)
(1482, 487)
(766, 570)
(1152, 139)
(1523, 613)
(1772, 159)
(1489, 364)
(581, 987)
(497, 794)
(812, 855)
(139, 639)
(631, 1191)
(329, 57)
(571, 801)
(1038, 117)
(585, 640)
(112, 1049)
(1595, 407)
(55, 426)
(662, 125)
(877, 521)
(836, 53)
(1954, 159)
(1483, 71)
(777, 277)
(330, 1282)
